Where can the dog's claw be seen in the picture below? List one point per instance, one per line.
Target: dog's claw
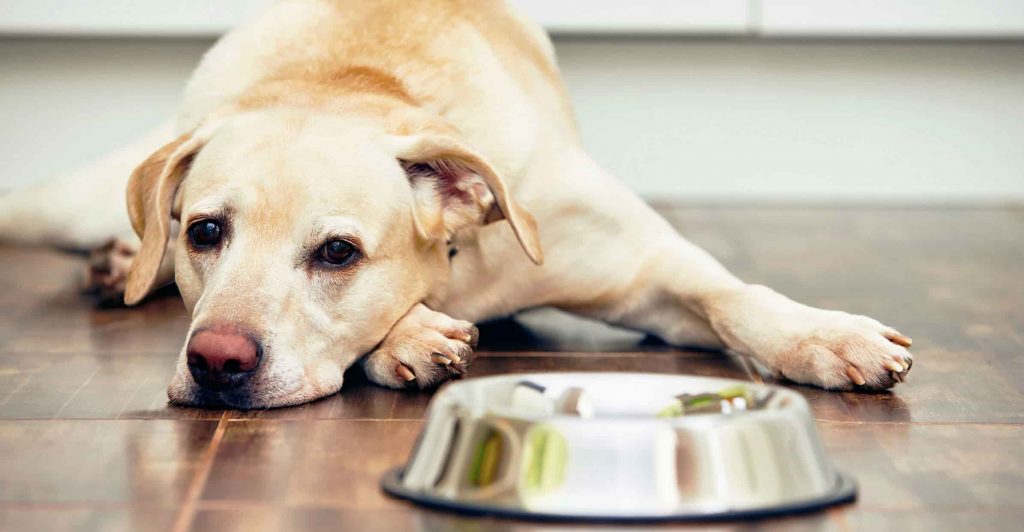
(900, 340)
(441, 359)
(894, 366)
(405, 373)
(855, 376)
(448, 357)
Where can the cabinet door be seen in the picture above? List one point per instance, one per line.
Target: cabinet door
(639, 16)
(201, 18)
(892, 18)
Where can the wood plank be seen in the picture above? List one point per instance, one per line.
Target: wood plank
(922, 467)
(89, 386)
(936, 519)
(218, 518)
(332, 462)
(115, 519)
(146, 463)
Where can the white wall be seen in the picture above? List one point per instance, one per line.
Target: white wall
(900, 19)
(65, 102)
(716, 119)
(804, 120)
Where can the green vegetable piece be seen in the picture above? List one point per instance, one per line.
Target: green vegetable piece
(484, 469)
(734, 392)
(544, 460)
(697, 401)
(673, 410)
(705, 403)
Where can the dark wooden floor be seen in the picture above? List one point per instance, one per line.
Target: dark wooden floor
(87, 440)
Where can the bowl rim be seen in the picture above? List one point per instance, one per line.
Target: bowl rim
(797, 401)
(844, 490)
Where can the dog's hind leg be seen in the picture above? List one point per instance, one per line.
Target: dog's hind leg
(613, 258)
(82, 209)
(107, 266)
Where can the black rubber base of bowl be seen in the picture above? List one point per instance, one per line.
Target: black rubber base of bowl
(844, 491)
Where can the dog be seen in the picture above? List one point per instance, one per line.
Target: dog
(361, 181)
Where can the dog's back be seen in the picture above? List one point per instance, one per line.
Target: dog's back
(475, 62)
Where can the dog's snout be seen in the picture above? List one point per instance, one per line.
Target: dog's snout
(220, 358)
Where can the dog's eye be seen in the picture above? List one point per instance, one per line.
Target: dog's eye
(204, 233)
(337, 252)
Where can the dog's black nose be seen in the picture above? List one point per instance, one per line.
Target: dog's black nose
(220, 358)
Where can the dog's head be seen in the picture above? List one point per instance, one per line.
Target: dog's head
(301, 240)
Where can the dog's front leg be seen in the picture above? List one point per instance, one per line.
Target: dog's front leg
(609, 256)
(682, 294)
(423, 349)
(617, 260)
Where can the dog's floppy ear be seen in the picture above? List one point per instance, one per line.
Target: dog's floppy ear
(454, 187)
(151, 191)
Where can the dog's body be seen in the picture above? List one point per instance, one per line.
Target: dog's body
(297, 113)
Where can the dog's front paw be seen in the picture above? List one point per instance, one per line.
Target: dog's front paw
(107, 270)
(830, 349)
(848, 352)
(423, 349)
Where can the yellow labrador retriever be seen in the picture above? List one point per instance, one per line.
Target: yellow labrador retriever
(331, 158)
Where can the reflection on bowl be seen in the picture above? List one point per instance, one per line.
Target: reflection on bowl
(618, 446)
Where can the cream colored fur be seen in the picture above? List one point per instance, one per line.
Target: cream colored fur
(292, 128)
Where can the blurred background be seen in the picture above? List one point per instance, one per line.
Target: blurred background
(895, 101)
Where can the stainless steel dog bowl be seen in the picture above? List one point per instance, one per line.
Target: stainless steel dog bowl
(618, 446)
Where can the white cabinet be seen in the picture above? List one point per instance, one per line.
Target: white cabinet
(185, 18)
(213, 17)
(892, 18)
(640, 16)
(950, 19)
